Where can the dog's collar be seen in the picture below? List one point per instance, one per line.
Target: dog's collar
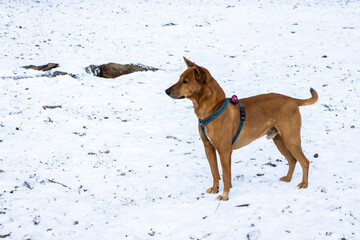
(219, 111)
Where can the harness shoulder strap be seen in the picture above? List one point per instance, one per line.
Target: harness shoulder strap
(242, 119)
(217, 113)
(213, 116)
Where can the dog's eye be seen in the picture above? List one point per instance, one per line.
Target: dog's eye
(184, 81)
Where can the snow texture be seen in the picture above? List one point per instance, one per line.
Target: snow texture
(122, 160)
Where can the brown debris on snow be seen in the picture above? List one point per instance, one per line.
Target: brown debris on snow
(53, 181)
(105, 152)
(45, 67)
(114, 70)
(243, 205)
(5, 235)
(51, 107)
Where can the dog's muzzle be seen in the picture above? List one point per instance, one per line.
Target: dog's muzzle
(169, 92)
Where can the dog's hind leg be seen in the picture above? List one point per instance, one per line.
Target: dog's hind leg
(297, 152)
(289, 157)
(289, 131)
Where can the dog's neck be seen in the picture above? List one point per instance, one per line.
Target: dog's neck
(209, 100)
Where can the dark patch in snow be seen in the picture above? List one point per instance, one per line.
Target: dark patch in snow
(114, 70)
(45, 67)
(270, 164)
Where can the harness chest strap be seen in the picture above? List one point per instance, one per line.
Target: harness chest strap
(218, 112)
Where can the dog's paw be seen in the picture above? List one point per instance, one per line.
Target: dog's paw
(213, 189)
(303, 185)
(223, 197)
(285, 179)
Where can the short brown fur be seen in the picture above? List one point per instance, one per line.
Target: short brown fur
(274, 115)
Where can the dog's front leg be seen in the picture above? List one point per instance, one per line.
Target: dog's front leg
(211, 156)
(225, 158)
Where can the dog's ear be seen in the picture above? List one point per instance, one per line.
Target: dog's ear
(199, 73)
(188, 62)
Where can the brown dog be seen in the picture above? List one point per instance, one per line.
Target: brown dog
(274, 115)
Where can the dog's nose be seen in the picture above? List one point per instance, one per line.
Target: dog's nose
(168, 91)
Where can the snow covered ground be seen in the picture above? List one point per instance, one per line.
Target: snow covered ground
(148, 174)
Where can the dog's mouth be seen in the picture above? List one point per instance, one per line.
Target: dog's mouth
(174, 97)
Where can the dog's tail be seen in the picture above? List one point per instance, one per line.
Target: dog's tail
(309, 101)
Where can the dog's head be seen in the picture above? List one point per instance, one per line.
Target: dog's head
(191, 82)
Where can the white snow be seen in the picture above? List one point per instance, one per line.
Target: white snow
(151, 184)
